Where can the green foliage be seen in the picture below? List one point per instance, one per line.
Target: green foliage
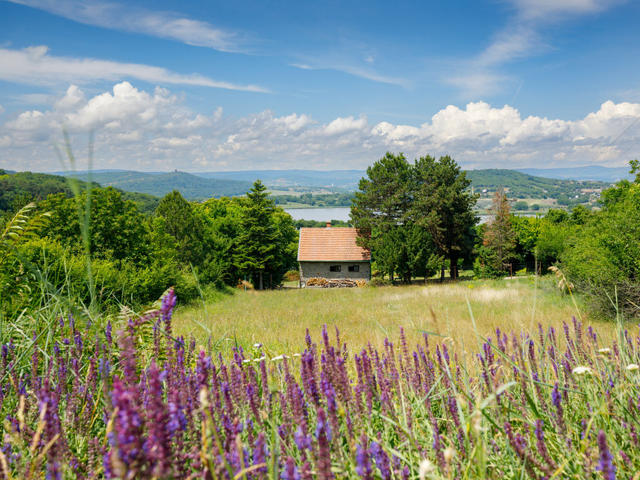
(318, 224)
(265, 248)
(498, 241)
(603, 260)
(408, 214)
(444, 206)
(177, 218)
(521, 205)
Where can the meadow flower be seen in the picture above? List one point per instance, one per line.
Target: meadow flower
(426, 468)
(449, 453)
(605, 463)
(632, 367)
(581, 370)
(257, 345)
(604, 351)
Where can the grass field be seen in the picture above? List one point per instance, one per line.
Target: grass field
(277, 319)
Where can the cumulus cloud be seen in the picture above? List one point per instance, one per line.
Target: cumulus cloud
(154, 130)
(138, 20)
(35, 66)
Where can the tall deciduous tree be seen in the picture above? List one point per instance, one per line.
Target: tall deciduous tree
(443, 203)
(257, 245)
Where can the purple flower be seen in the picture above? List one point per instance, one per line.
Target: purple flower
(168, 303)
(363, 462)
(382, 460)
(303, 442)
(605, 464)
(290, 471)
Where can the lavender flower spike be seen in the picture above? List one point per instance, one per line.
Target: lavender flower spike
(605, 464)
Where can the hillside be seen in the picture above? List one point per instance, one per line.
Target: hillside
(16, 189)
(191, 186)
(522, 185)
(332, 179)
(591, 172)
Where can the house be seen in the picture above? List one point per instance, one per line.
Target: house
(332, 253)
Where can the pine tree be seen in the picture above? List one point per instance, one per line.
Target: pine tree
(257, 245)
(444, 205)
(499, 236)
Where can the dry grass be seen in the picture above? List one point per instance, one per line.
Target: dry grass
(278, 319)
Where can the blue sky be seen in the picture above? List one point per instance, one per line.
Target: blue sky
(204, 85)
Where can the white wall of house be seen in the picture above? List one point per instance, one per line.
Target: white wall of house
(329, 270)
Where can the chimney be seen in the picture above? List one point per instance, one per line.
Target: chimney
(328, 224)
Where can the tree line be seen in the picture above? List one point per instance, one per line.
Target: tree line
(134, 257)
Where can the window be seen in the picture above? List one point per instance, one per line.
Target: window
(354, 268)
(335, 268)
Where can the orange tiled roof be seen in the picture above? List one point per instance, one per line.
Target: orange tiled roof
(330, 244)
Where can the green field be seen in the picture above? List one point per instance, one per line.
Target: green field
(277, 319)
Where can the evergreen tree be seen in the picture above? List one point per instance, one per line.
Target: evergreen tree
(379, 211)
(499, 235)
(257, 245)
(444, 205)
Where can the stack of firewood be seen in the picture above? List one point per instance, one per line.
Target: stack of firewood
(331, 283)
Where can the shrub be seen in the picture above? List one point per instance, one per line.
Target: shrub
(380, 282)
(292, 276)
(603, 261)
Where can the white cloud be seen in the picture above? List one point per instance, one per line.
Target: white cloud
(520, 38)
(126, 18)
(340, 126)
(154, 130)
(356, 71)
(35, 66)
(543, 9)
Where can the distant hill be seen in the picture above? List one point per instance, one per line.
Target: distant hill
(332, 179)
(192, 187)
(591, 172)
(17, 189)
(522, 185)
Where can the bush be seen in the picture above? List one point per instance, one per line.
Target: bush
(380, 282)
(292, 276)
(603, 260)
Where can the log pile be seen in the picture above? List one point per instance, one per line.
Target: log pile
(319, 282)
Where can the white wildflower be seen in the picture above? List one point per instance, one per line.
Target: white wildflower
(279, 357)
(426, 468)
(633, 367)
(257, 360)
(257, 345)
(296, 355)
(604, 350)
(449, 453)
(246, 360)
(582, 370)
(203, 397)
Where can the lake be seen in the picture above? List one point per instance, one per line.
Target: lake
(319, 214)
(336, 213)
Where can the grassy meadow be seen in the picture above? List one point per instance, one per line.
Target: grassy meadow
(277, 319)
